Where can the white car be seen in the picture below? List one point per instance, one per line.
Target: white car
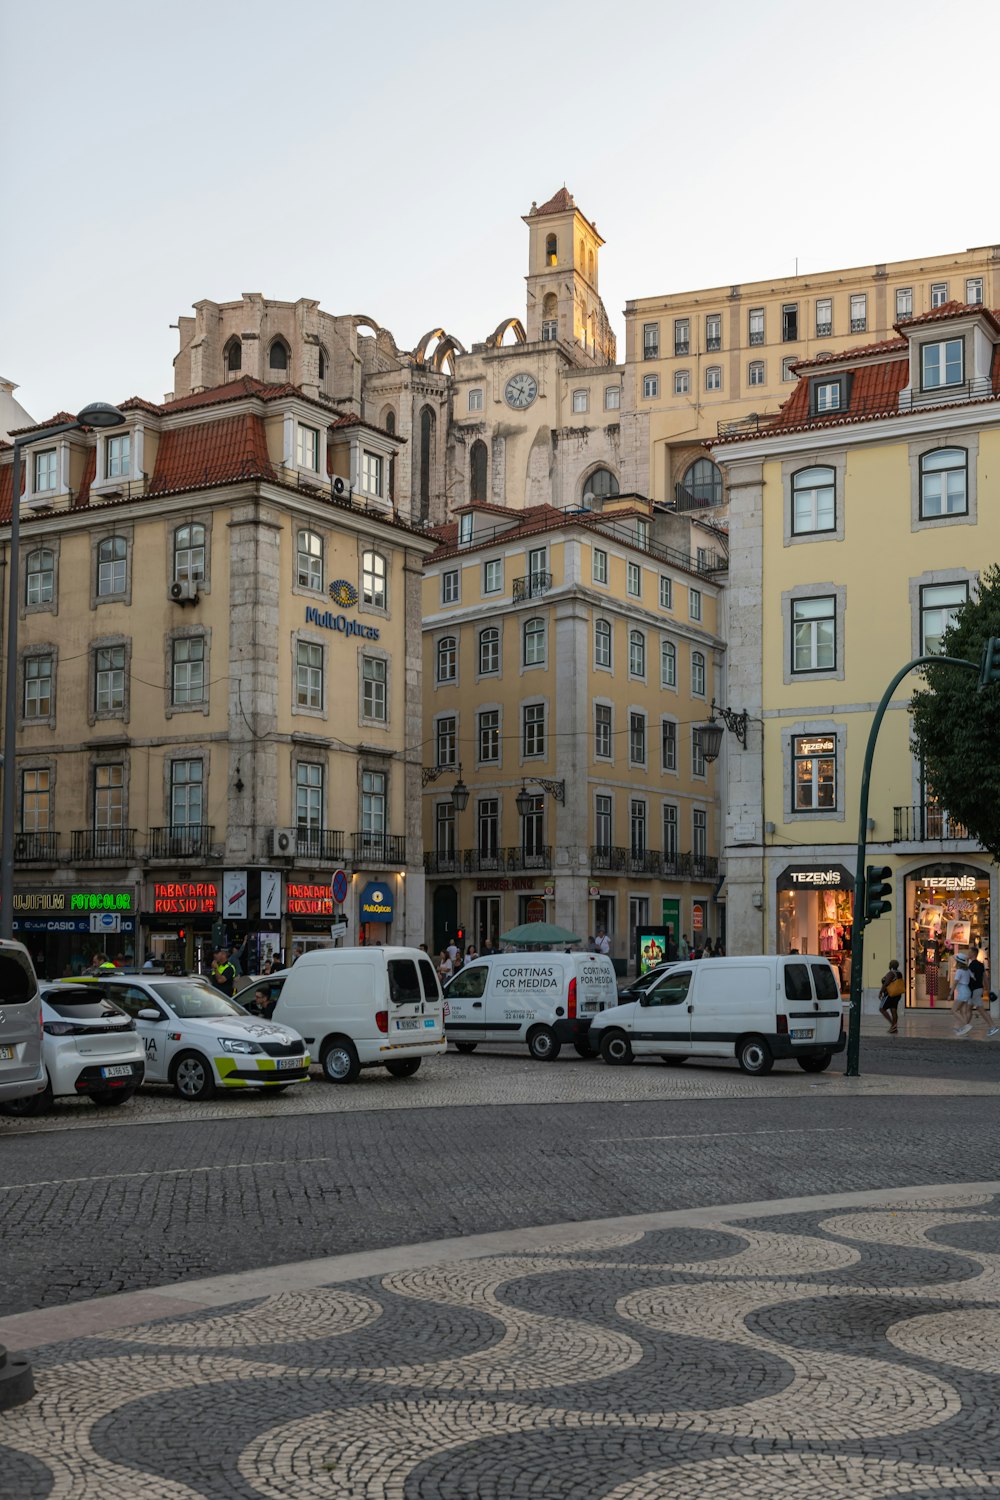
(199, 1040)
(89, 1048)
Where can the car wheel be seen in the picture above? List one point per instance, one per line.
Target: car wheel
(675, 1060)
(403, 1067)
(815, 1064)
(616, 1048)
(466, 1046)
(108, 1098)
(583, 1049)
(340, 1062)
(33, 1104)
(193, 1077)
(754, 1055)
(543, 1044)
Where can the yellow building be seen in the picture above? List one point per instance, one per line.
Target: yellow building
(218, 679)
(859, 517)
(568, 658)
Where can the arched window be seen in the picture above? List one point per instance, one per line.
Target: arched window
(489, 651)
(698, 674)
(389, 425)
(944, 489)
(668, 664)
(600, 483)
(427, 429)
(373, 579)
(322, 363)
(636, 654)
(111, 565)
(389, 421)
(189, 553)
(534, 642)
(447, 659)
(478, 460)
(551, 249)
(602, 643)
(277, 358)
(703, 482)
(234, 357)
(309, 554)
(590, 267)
(39, 577)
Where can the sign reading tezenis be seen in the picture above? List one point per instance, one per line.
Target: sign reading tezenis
(186, 897)
(307, 900)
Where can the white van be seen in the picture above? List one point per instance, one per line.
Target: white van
(543, 999)
(364, 1008)
(755, 1009)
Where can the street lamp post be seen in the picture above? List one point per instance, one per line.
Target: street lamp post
(98, 414)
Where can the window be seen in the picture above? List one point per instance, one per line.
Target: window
(537, 570)
(814, 635)
(637, 739)
(694, 603)
(40, 577)
(444, 830)
(111, 566)
(650, 340)
(637, 827)
(602, 731)
(601, 482)
(465, 529)
(602, 822)
(600, 565)
(682, 336)
(636, 654)
(373, 785)
(698, 673)
(666, 592)
(713, 332)
(476, 398)
(478, 471)
(550, 249)
(650, 387)
(699, 836)
(824, 317)
(534, 729)
(307, 448)
(581, 401)
(642, 532)
(755, 372)
(36, 809)
(449, 586)
(703, 482)
(859, 312)
(944, 483)
(189, 553)
(550, 330)
(309, 560)
(974, 290)
(489, 651)
(788, 367)
(234, 356)
(939, 293)
(308, 796)
(373, 704)
(682, 382)
(447, 658)
(755, 320)
(669, 831)
(939, 605)
(322, 362)
(612, 397)
(813, 507)
(942, 364)
(277, 357)
(814, 773)
(489, 734)
(904, 302)
(668, 664)
(447, 741)
(109, 679)
(668, 745)
(533, 828)
(46, 470)
(109, 797)
(488, 831)
(371, 472)
(790, 322)
(493, 576)
(697, 753)
(186, 794)
(534, 643)
(602, 643)
(38, 686)
(308, 675)
(373, 580)
(187, 670)
(116, 455)
(633, 580)
(713, 378)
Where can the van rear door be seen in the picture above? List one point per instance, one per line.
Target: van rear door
(433, 1011)
(20, 1020)
(406, 1000)
(596, 986)
(812, 1003)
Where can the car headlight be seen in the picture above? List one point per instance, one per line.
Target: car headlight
(232, 1044)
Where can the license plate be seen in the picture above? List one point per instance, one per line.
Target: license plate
(407, 1025)
(122, 1070)
(430, 1022)
(804, 1034)
(289, 1062)
(6, 1054)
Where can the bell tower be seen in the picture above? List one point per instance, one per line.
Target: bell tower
(563, 301)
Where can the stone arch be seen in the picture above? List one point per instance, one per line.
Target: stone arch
(427, 426)
(551, 249)
(479, 459)
(232, 356)
(445, 352)
(513, 325)
(278, 356)
(601, 481)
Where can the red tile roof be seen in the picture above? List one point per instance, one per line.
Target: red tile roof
(951, 310)
(237, 390)
(860, 351)
(60, 416)
(350, 420)
(559, 203)
(6, 484)
(211, 453)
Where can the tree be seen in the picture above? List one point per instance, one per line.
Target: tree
(956, 731)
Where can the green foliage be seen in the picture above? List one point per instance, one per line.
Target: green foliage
(956, 730)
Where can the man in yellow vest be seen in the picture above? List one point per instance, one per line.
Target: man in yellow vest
(223, 974)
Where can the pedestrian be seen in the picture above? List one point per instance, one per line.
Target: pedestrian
(452, 951)
(488, 948)
(892, 987)
(445, 966)
(977, 979)
(684, 947)
(222, 973)
(603, 942)
(961, 995)
(591, 944)
(720, 948)
(708, 951)
(470, 953)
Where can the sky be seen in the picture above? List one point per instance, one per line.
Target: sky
(379, 157)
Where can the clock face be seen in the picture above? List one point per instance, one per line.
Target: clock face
(520, 391)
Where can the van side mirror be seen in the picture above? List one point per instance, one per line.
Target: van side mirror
(644, 998)
(148, 1014)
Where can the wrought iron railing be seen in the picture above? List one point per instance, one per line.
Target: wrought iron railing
(319, 843)
(685, 500)
(616, 858)
(926, 821)
(379, 848)
(181, 841)
(39, 848)
(532, 586)
(103, 843)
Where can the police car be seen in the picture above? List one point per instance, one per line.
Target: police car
(199, 1040)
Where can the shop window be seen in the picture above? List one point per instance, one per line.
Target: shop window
(947, 915)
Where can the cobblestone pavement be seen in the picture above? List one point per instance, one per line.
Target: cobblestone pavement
(834, 1350)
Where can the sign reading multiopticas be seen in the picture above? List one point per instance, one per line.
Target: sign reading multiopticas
(376, 903)
(340, 623)
(303, 899)
(186, 897)
(73, 901)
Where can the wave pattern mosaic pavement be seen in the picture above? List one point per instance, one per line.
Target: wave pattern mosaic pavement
(823, 1354)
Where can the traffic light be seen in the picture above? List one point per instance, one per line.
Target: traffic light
(459, 934)
(989, 672)
(878, 888)
(218, 934)
(182, 935)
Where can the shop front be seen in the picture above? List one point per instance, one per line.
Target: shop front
(310, 914)
(815, 914)
(62, 927)
(947, 916)
(376, 908)
(180, 921)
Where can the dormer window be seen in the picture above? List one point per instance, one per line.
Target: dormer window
(942, 364)
(371, 472)
(117, 452)
(829, 395)
(46, 470)
(465, 529)
(307, 448)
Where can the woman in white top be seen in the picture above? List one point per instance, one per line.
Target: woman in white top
(962, 997)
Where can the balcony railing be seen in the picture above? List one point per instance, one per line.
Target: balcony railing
(925, 821)
(489, 861)
(319, 843)
(532, 586)
(756, 336)
(685, 500)
(104, 843)
(181, 841)
(616, 858)
(37, 848)
(378, 849)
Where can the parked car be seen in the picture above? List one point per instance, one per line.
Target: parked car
(541, 999)
(22, 1072)
(250, 986)
(199, 1040)
(90, 1048)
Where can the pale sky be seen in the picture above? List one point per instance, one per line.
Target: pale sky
(379, 157)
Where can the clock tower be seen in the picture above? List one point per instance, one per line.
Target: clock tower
(563, 301)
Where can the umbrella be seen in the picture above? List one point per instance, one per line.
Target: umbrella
(530, 933)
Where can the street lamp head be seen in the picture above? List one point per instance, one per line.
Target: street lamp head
(100, 414)
(460, 795)
(524, 801)
(710, 739)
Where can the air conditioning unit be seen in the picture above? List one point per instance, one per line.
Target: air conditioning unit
(282, 841)
(184, 591)
(340, 486)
